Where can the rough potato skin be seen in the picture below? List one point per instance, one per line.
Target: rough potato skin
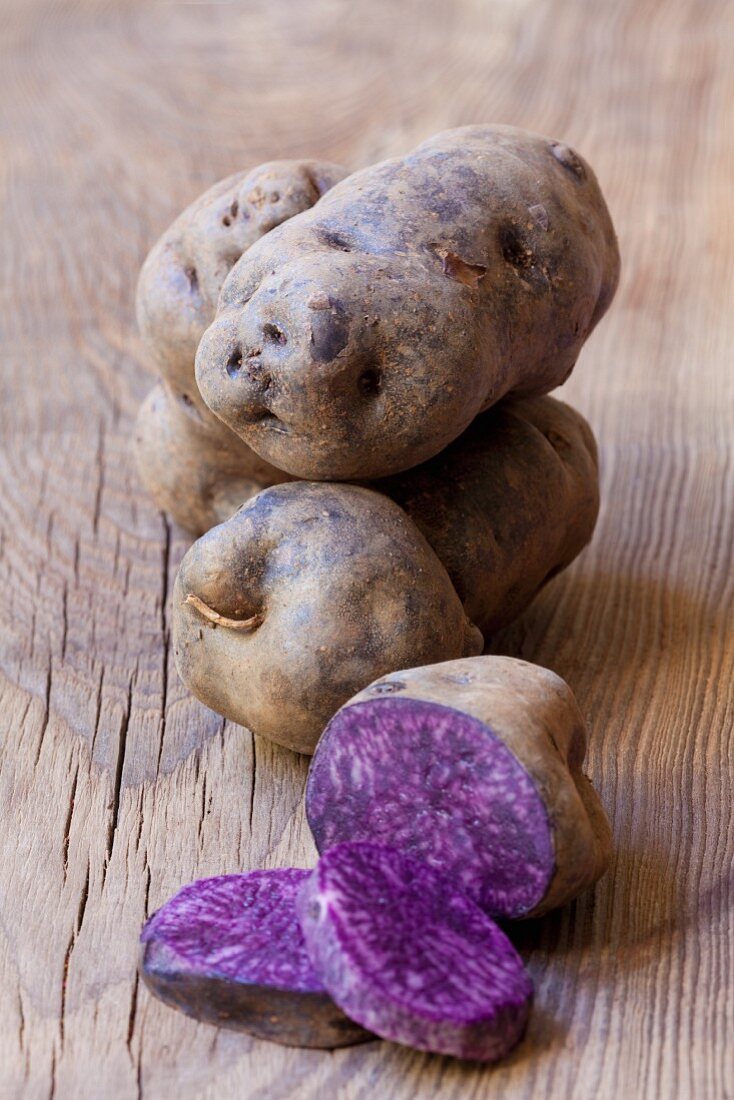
(192, 464)
(182, 276)
(508, 505)
(303, 597)
(536, 715)
(263, 1012)
(194, 467)
(364, 335)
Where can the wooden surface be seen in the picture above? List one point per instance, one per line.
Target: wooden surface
(115, 786)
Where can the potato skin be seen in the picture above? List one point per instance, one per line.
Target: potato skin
(536, 714)
(182, 276)
(338, 586)
(194, 467)
(364, 335)
(266, 1013)
(508, 505)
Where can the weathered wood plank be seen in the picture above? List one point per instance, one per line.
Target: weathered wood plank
(115, 786)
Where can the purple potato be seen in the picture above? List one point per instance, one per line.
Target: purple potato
(194, 467)
(475, 767)
(305, 596)
(362, 336)
(184, 271)
(198, 472)
(229, 951)
(407, 955)
(507, 506)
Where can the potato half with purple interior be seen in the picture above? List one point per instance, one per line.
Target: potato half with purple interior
(474, 766)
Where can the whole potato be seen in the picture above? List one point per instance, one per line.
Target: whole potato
(365, 334)
(194, 467)
(302, 598)
(182, 275)
(508, 505)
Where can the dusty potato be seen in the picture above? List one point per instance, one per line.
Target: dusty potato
(195, 469)
(229, 951)
(183, 273)
(474, 766)
(303, 597)
(508, 505)
(365, 334)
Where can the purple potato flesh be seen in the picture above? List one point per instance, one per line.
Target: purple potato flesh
(410, 957)
(440, 785)
(229, 951)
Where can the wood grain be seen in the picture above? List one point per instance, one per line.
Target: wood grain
(115, 786)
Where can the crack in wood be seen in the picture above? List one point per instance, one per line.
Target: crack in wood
(47, 714)
(139, 835)
(64, 622)
(67, 823)
(50, 532)
(252, 788)
(147, 891)
(99, 457)
(165, 635)
(131, 1016)
(83, 899)
(75, 562)
(81, 910)
(98, 712)
(52, 1090)
(21, 1027)
(64, 982)
(117, 784)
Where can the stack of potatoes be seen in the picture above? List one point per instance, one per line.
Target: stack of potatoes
(352, 413)
(352, 416)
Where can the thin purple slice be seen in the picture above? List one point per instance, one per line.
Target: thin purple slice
(442, 786)
(229, 951)
(409, 957)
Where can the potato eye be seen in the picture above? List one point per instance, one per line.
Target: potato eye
(370, 382)
(387, 688)
(274, 334)
(515, 249)
(332, 239)
(570, 160)
(234, 363)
